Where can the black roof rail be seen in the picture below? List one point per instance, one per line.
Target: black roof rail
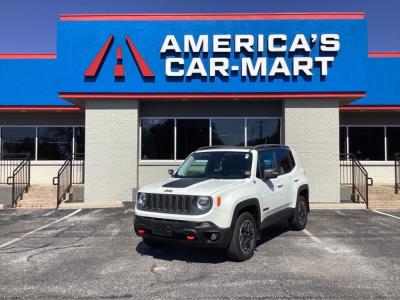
(222, 147)
(266, 146)
(256, 147)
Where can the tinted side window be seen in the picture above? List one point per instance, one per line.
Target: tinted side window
(266, 160)
(283, 161)
(291, 158)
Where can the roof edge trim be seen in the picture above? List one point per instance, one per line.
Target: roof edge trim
(214, 16)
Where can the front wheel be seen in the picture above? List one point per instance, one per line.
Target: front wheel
(299, 220)
(243, 240)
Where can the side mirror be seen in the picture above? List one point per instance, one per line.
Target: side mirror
(171, 172)
(270, 174)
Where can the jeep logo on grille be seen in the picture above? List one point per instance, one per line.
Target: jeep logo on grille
(168, 191)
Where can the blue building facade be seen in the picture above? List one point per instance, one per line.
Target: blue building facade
(205, 79)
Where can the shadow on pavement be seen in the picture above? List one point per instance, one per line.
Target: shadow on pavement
(204, 255)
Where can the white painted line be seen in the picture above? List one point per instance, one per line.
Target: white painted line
(318, 241)
(340, 213)
(38, 229)
(128, 210)
(48, 214)
(385, 214)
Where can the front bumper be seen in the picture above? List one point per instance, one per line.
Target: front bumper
(173, 231)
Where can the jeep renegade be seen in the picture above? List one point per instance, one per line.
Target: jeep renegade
(224, 197)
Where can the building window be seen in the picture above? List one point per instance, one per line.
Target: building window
(79, 143)
(227, 132)
(157, 139)
(54, 143)
(263, 131)
(343, 139)
(18, 141)
(191, 134)
(367, 143)
(175, 139)
(393, 141)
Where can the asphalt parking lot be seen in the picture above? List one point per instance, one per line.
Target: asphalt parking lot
(94, 254)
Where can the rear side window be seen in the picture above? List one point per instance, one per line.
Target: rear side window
(284, 161)
(291, 158)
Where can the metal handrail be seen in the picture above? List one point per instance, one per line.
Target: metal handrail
(20, 181)
(71, 172)
(9, 162)
(360, 181)
(63, 180)
(78, 168)
(396, 172)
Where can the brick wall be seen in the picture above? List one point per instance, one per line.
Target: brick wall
(111, 150)
(150, 173)
(311, 128)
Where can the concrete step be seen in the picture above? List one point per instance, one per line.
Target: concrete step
(43, 196)
(383, 197)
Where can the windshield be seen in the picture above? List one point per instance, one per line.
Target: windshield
(217, 164)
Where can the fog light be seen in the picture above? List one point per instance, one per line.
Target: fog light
(190, 237)
(214, 236)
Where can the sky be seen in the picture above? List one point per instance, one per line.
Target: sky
(30, 26)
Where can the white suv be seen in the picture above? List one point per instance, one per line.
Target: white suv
(224, 197)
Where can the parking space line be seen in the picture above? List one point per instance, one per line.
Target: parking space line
(48, 214)
(385, 214)
(38, 229)
(129, 210)
(318, 241)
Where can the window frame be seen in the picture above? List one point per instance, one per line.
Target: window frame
(371, 162)
(18, 126)
(35, 159)
(140, 139)
(210, 118)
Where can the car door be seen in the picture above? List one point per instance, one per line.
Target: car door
(285, 165)
(270, 191)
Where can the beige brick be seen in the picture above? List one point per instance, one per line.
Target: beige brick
(312, 129)
(111, 150)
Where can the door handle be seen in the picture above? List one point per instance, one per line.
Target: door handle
(296, 180)
(280, 185)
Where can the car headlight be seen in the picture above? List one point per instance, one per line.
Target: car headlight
(141, 200)
(203, 202)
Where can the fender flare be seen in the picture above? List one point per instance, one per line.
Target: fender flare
(247, 203)
(303, 188)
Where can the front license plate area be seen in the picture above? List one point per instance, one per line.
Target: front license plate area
(162, 230)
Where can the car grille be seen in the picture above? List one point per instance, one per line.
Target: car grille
(179, 204)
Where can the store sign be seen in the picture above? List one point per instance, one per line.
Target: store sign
(252, 51)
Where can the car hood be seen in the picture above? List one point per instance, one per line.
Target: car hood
(190, 186)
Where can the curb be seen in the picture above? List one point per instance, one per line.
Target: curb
(115, 204)
(334, 206)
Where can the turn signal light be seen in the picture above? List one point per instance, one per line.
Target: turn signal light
(190, 237)
(219, 201)
(141, 231)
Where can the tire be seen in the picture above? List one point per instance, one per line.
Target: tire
(245, 228)
(153, 243)
(299, 220)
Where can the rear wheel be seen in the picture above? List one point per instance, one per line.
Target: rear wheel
(299, 220)
(153, 243)
(243, 240)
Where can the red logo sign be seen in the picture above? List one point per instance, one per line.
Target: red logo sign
(119, 72)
